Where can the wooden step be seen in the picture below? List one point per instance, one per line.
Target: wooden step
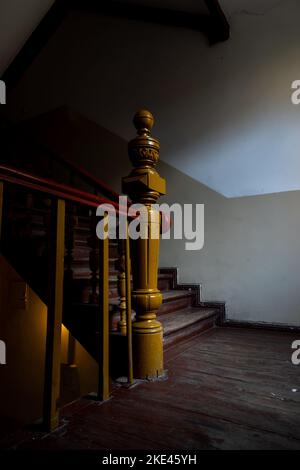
(178, 326)
(165, 281)
(181, 325)
(174, 300)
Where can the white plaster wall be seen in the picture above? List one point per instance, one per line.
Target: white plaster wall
(251, 253)
(224, 112)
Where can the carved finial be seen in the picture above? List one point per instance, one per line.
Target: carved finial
(143, 121)
(144, 183)
(143, 149)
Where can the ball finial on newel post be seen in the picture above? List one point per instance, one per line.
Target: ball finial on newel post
(144, 148)
(143, 121)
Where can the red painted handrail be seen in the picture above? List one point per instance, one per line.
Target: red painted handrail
(90, 178)
(84, 174)
(48, 186)
(44, 185)
(98, 184)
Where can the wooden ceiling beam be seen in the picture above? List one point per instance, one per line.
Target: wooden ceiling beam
(214, 25)
(219, 29)
(36, 42)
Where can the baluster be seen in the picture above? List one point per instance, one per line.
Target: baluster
(71, 224)
(18, 228)
(47, 224)
(20, 206)
(93, 259)
(144, 185)
(27, 229)
(8, 230)
(54, 317)
(103, 302)
(128, 308)
(120, 266)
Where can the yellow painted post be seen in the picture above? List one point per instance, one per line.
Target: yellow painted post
(128, 310)
(103, 386)
(144, 185)
(54, 317)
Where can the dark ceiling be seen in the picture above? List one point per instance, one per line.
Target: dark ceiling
(205, 16)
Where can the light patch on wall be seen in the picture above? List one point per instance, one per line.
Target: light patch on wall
(249, 161)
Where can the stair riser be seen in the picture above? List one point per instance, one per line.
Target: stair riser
(189, 332)
(176, 304)
(163, 284)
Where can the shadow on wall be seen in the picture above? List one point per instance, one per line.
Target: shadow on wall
(224, 113)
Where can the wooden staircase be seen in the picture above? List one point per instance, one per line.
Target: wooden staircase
(48, 234)
(24, 243)
(183, 314)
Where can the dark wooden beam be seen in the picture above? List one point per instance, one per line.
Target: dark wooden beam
(219, 28)
(214, 25)
(145, 13)
(36, 42)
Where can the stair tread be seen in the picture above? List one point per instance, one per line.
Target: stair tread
(85, 270)
(182, 318)
(169, 295)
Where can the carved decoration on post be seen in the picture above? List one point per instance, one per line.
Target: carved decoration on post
(145, 186)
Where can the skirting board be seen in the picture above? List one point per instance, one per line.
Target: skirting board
(261, 326)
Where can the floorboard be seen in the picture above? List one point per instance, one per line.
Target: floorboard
(229, 388)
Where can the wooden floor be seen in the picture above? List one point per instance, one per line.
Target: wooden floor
(227, 389)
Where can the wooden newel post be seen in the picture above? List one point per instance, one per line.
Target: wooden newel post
(145, 186)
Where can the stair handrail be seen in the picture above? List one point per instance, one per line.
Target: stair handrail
(61, 194)
(19, 177)
(86, 175)
(89, 177)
